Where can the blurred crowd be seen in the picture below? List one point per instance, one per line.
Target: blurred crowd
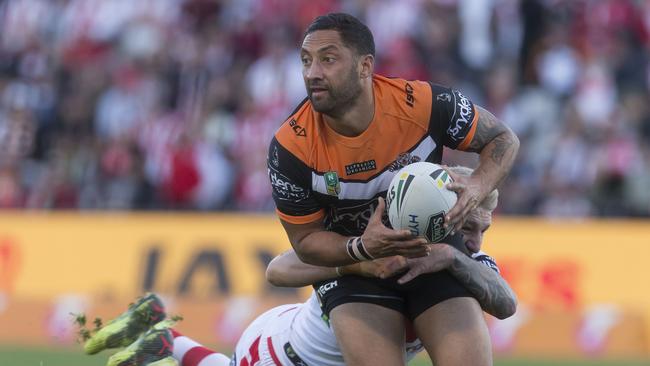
(170, 104)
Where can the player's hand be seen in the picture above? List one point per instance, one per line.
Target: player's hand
(441, 257)
(382, 267)
(381, 241)
(470, 193)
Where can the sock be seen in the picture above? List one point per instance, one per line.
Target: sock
(188, 352)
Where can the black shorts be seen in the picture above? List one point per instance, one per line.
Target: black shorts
(410, 299)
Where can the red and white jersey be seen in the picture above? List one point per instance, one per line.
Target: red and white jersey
(295, 335)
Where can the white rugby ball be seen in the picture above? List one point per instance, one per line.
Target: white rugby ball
(418, 200)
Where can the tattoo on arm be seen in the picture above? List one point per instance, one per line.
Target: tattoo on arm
(488, 127)
(501, 144)
(492, 292)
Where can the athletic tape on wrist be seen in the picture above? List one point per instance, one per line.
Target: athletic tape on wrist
(362, 249)
(350, 248)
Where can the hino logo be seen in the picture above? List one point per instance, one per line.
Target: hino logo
(284, 188)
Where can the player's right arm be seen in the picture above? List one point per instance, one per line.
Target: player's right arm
(316, 246)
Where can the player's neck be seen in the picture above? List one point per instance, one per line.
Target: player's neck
(356, 119)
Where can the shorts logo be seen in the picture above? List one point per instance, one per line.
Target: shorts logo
(435, 231)
(323, 289)
(297, 129)
(403, 160)
(361, 167)
(332, 183)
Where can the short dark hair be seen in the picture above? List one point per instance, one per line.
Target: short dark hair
(354, 34)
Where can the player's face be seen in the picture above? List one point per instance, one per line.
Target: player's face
(331, 72)
(476, 224)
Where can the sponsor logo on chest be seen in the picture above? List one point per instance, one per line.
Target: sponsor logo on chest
(361, 167)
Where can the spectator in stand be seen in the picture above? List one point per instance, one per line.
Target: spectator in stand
(159, 104)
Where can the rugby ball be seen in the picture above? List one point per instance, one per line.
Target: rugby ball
(418, 200)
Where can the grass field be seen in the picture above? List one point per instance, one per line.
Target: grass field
(68, 357)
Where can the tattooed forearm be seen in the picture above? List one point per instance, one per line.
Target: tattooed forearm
(497, 146)
(501, 145)
(490, 289)
(488, 127)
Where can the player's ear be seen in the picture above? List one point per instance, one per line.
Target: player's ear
(366, 66)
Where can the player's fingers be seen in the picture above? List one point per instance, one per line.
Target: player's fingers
(454, 177)
(399, 235)
(394, 265)
(457, 187)
(412, 243)
(411, 274)
(452, 216)
(460, 220)
(416, 252)
(379, 211)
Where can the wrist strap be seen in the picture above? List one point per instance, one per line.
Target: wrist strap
(357, 250)
(362, 249)
(350, 248)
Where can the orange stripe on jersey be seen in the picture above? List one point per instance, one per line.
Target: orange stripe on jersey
(401, 119)
(301, 219)
(470, 135)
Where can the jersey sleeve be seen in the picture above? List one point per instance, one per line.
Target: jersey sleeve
(453, 117)
(291, 186)
(488, 261)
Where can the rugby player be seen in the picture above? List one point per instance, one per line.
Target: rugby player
(330, 164)
(297, 334)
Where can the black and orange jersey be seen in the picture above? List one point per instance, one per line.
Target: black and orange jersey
(318, 174)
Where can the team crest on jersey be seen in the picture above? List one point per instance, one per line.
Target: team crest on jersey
(444, 97)
(403, 160)
(332, 183)
(275, 160)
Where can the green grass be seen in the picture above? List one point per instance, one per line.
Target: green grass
(73, 357)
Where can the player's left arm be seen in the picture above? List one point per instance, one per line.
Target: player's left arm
(497, 146)
(287, 270)
(484, 282)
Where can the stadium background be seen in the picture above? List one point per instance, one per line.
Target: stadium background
(133, 144)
